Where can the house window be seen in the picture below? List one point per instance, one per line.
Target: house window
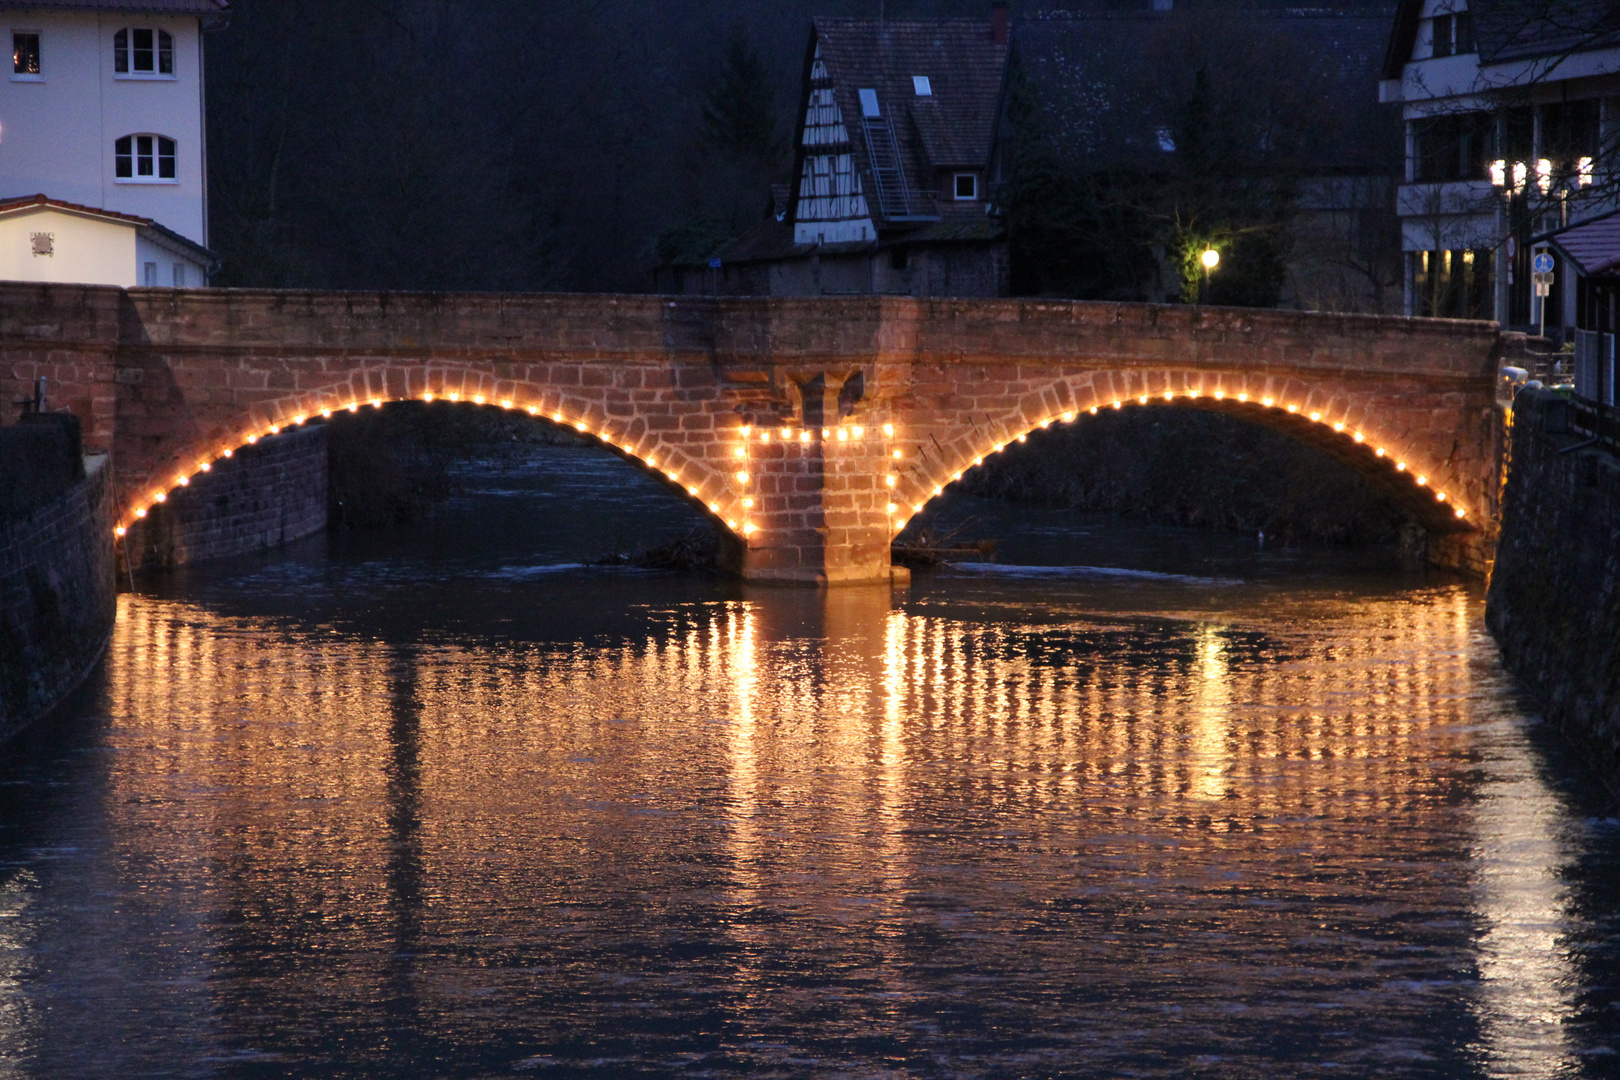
(966, 185)
(923, 87)
(25, 53)
(1453, 34)
(149, 275)
(143, 51)
(1457, 146)
(145, 159)
(179, 275)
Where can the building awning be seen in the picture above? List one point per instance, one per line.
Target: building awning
(1594, 246)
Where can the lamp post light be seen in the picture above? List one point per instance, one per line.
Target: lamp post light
(1210, 260)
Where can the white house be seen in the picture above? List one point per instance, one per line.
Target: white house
(103, 115)
(1512, 112)
(48, 240)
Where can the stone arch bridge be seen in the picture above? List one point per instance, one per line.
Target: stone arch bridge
(810, 429)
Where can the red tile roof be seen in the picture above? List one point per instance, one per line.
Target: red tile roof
(8, 206)
(1594, 245)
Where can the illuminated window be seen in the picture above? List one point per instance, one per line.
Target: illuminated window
(25, 53)
(143, 51)
(145, 159)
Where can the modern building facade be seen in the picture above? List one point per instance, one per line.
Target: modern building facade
(1512, 108)
(103, 116)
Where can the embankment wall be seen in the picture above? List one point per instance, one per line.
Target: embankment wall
(1554, 600)
(264, 495)
(57, 597)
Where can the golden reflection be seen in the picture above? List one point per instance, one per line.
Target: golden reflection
(825, 759)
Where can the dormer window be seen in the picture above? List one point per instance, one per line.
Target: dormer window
(141, 50)
(923, 87)
(1453, 34)
(965, 186)
(145, 159)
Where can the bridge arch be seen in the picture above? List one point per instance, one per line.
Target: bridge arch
(1348, 425)
(721, 497)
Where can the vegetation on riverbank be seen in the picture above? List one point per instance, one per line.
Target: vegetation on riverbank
(1171, 466)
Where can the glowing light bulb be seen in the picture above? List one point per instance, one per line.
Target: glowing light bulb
(787, 433)
(1461, 512)
(1440, 496)
(299, 420)
(427, 396)
(1243, 397)
(1400, 466)
(746, 431)
(919, 508)
(1068, 417)
(731, 524)
(893, 508)
(804, 436)
(506, 403)
(140, 513)
(896, 455)
(1220, 395)
(1380, 451)
(252, 439)
(888, 429)
(741, 451)
(1316, 416)
(1023, 438)
(1422, 480)
(742, 478)
(843, 435)
(556, 417)
(748, 503)
(1168, 396)
(714, 507)
(889, 480)
(534, 410)
(203, 466)
(478, 399)
(1266, 402)
(1092, 410)
(453, 397)
(859, 433)
(826, 433)
(326, 414)
(1359, 437)
(691, 490)
(160, 497)
(1046, 423)
(748, 529)
(227, 453)
(764, 436)
(1339, 426)
(119, 531)
(183, 481)
(1117, 404)
(580, 425)
(275, 429)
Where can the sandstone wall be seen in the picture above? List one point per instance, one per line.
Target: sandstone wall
(1554, 601)
(57, 597)
(264, 495)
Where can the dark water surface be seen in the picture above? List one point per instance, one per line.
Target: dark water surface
(435, 803)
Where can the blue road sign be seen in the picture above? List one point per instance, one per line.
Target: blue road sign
(1542, 263)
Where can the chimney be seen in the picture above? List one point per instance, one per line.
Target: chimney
(998, 22)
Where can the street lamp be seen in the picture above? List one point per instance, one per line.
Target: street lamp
(1211, 259)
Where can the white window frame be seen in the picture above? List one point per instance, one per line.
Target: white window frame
(18, 76)
(155, 157)
(156, 73)
(956, 186)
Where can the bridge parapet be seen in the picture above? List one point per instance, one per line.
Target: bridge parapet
(812, 429)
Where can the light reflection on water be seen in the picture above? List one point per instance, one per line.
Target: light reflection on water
(329, 818)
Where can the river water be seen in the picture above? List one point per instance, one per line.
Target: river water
(439, 802)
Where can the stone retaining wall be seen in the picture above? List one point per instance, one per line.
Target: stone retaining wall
(1554, 601)
(57, 597)
(264, 495)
